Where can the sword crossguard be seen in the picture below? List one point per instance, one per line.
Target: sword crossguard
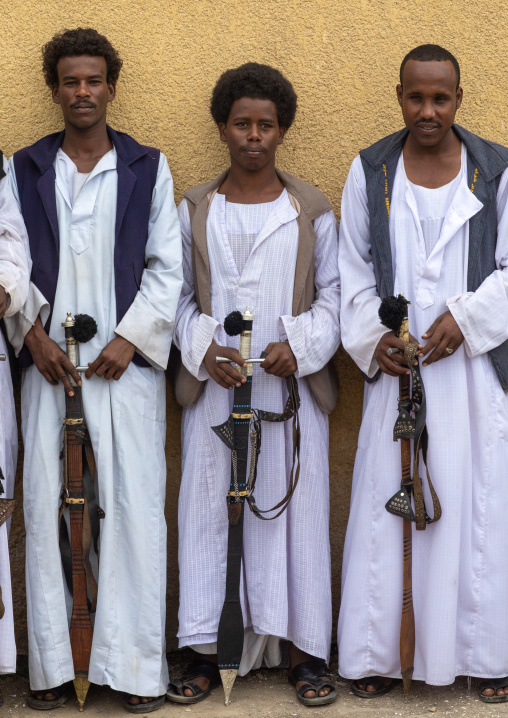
(2, 357)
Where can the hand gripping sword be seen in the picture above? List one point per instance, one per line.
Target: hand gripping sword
(236, 433)
(81, 329)
(410, 425)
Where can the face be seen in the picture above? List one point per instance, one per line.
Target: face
(83, 92)
(429, 99)
(252, 133)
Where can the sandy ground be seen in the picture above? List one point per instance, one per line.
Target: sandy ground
(266, 694)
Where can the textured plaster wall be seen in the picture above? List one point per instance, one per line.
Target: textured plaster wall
(343, 58)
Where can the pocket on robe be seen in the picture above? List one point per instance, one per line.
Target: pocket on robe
(80, 239)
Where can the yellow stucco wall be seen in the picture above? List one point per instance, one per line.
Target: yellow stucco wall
(343, 59)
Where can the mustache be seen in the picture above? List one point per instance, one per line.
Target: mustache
(83, 103)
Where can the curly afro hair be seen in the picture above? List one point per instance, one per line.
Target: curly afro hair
(81, 41)
(257, 81)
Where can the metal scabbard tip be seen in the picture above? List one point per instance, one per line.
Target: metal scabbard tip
(81, 686)
(228, 676)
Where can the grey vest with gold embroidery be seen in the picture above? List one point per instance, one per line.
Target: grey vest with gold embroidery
(486, 161)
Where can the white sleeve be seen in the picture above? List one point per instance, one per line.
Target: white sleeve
(35, 304)
(149, 321)
(15, 264)
(482, 315)
(360, 324)
(194, 331)
(314, 335)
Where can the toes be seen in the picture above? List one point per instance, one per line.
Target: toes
(309, 694)
(488, 692)
(187, 692)
(134, 700)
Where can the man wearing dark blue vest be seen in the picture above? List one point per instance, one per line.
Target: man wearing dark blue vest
(424, 213)
(105, 241)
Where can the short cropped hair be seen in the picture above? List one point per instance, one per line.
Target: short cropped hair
(431, 53)
(81, 41)
(260, 82)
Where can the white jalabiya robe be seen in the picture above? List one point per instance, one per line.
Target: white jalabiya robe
(14, 277)
(460, 589)
(126, 420)
(285, 587)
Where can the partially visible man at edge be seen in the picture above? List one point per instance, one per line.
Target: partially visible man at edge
(14, 277)
(446, 249)
(105, 239)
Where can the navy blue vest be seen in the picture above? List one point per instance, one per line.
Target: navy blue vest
(35, 175)
(490, 159)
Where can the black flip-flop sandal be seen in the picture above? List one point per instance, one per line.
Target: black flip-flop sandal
(380, 689)
(495, 684)
(152, 705)
(62, 696)
(196, 669)
(311, 672)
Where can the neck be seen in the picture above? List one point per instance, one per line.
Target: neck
(252, 184)
(89, 143)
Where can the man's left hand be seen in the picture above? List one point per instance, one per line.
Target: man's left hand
(444, 334)
(113, 359)
(4, 302)
(280, 360)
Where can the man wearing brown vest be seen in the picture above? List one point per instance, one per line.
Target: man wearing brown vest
(261, 238)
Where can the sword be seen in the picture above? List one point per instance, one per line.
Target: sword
(7, 506)
(410, 425)
(236, 433)
(81, 329)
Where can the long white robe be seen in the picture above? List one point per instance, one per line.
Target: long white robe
(285, 586)
(127, 424)
(460, 589)
(14, 277)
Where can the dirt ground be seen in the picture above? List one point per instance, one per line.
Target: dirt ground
(267, 694)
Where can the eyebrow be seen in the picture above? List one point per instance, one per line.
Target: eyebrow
(90, 77)
(263, 119)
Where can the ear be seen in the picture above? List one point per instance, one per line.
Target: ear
(460, 94)
(222, 131)
(399, 94)
(55, 95)
(282, 132)
(111, 91)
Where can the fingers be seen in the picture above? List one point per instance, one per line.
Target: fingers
(280, 360)
(430, 331)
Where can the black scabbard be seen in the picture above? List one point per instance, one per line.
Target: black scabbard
(230, 632)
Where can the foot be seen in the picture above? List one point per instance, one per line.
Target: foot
(297, 656)
(365, 684)
(200, 676)
(48, 696)
(136, 700)
(497, 687)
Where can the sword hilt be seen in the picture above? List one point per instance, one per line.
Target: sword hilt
(2, 357)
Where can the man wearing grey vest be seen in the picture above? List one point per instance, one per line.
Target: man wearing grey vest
(424, 213)
(259, 237)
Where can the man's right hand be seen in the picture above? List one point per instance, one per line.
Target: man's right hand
(395, 364)
(224, 374)
(50, 360)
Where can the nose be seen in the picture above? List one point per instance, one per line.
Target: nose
(254, 133)
(428, 110)
(82, 89)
